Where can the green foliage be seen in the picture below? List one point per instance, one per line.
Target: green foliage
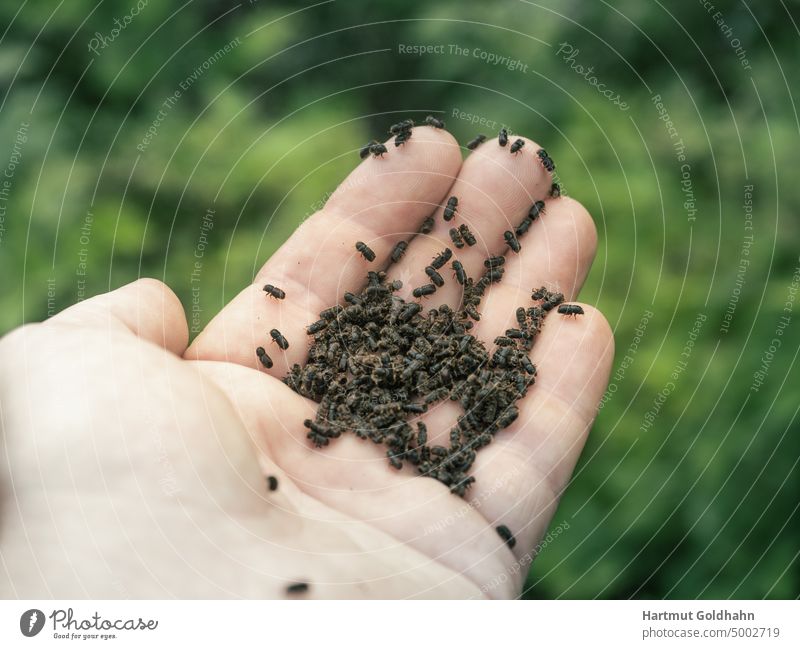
(701, 503)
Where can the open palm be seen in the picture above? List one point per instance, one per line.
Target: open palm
(196, 518)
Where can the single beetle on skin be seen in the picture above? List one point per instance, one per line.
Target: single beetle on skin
(316, 327)
(546, 160)
(494, 262)
(472, 312)
(553, 301)
(427, 226)
(537, 209)
(461, 275)
(456, 238)
(409, 311)
(367, 148)
(424, 290)
(402, 138)
(297, 588)
(320, 434)
(570, 310)
(405, 125)
(503, 421)
(436, 278)
(266, 361)
(365, 251)
(278, 338)
(475, 142)
(399, 250)
(442, 258)
(430, 120)
(272, 483)
(467, 235)
(506, 535)
(422, 434)
(450, 208)
(524, 225)
(529, 367)
(555, 190)
(517, 145)
(377, 150)
(495, 274)
(274, 291)
(511, 240)
(502, 137)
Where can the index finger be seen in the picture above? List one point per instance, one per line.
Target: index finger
(384, 200)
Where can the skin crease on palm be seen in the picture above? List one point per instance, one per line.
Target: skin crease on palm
(134, 466)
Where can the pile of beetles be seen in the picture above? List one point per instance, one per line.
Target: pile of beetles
(377, 363)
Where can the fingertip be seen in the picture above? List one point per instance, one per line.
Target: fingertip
(574, 355)
(590, 329)
(153, 311)
(561, 245)
(439, 148)
(420, 170)
(512, 181)
(597, 331)
(147, 307)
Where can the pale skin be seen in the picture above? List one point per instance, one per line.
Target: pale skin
(134, 464)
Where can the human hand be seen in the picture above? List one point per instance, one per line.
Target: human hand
(144, 472)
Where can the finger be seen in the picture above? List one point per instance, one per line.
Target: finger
(381, 202)
(556, 252)
(521, 475)
(573, 359)
(495, 191)
(147, 307)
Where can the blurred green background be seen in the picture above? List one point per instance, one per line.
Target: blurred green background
(691, 495)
